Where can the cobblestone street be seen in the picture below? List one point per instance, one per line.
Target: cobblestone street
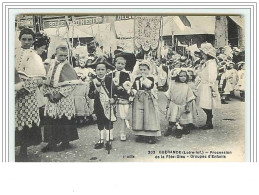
(228, 135)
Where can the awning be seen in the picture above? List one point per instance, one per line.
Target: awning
(199, 25)
(124, 29)
(56, 31)
(96, 30)
(239, 20)
(76, 32)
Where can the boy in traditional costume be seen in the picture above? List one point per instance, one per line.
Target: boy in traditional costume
(123, 84)
(60, 108)
(103, 91)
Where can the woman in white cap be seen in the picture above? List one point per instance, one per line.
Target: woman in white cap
(208, 95)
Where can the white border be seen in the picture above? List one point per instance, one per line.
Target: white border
(131, 178)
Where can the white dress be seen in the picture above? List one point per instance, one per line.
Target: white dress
(232, 79)
(208, 75)
(241, 80)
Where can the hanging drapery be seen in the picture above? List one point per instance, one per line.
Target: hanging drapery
(147, 32)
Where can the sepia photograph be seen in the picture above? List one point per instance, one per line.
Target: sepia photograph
(129, 87)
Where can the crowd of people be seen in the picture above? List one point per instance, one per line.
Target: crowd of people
(57, 95)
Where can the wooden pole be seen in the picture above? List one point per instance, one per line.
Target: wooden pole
(161, 36)
(175, 44)
(134, 36)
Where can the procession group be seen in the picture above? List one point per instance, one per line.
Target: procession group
(57, 94)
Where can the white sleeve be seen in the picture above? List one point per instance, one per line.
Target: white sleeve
(213, 72)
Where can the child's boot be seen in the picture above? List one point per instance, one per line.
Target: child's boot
(186, 130)
(168, 132)
(151, 140)
(223, 101)
(108, 145)
(178, 131)
(208, 125)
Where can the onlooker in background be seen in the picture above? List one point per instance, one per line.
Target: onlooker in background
(232, 79)
(241, 80)
(222, 81)
(236, 56)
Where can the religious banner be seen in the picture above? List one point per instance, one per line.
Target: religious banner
(147, 32)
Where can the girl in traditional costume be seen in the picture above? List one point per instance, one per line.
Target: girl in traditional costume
(145, 120)
(179, 96)
(29, 76)
(60, 126)
(82, 101)
(103, 91)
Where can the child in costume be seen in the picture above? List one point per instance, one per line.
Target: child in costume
(179, 96)
(102, 90)
(89, 78)
(81, 71)
(60, 127)
(29, 75)
(222, 82)
(241, 80)
(84, 73)
(123, 85)
(145, 120)
(232, 79)
(81, 92)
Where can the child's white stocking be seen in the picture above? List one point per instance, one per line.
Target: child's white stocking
(107, 135)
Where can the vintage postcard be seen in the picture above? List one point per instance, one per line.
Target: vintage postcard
(130, 87)
(161, 82)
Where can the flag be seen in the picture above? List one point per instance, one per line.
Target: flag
(185, 21)
(67, 22)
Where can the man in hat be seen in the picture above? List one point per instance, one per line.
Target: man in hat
(122, 81)
(237, 56)
(60, 108)
(103, 91)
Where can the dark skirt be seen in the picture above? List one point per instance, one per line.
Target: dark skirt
(59, 130)
(28, 136)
